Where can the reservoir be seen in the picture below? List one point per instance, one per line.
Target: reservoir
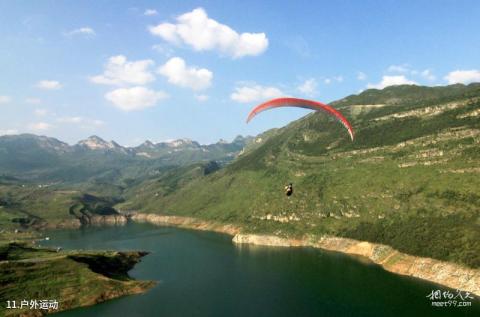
(205, 274)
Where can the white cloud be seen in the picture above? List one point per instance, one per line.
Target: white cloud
(197, 30)
(255, 93)
(361, 76)
(308, 87)
(118, 71)
(463, 76)
(135, 98)
(392, 81)
(70, 119)
(150, 12)
(49, 84)
(40, 112)
(403, 68)
(201, 98)
(163, 49)
(8, 132)
(178, 73)
(5, 99)
(81, 121)
(328, 80)
(40, 126)
(33, 101)
(406, 69)
(85, 31)
(427, 74)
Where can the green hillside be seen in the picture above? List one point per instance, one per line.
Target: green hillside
(410, 179)
(72, 278)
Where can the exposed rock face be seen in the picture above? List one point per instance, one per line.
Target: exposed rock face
(96, 143)
(74, 223)
(448, 274)
(185, 222)
(112, 220)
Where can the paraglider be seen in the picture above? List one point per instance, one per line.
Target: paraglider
(289, 189)
(302, 103)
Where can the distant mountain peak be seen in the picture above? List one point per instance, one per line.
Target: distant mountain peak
(97, 143)
(148, 144)
(181, 142)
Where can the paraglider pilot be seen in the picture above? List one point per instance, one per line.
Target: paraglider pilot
(289, 189)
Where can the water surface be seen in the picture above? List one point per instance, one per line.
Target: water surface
(204, 274)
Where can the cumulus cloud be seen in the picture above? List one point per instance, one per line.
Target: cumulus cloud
(328, 80)
(361, 76)
(8, 131)
(201, 98)
(5, 99)
(463, 76)
(85, 31)
(178, 73)
(202, 33)
(40, 126)
(427, 74)
(308, 87)
(403, 68)
(49, 85)
(150, 12)
(118, 71)
(135, 98)
(254, 93)
(392, 81)
(406, 69)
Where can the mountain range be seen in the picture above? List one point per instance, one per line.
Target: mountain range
(41, 158)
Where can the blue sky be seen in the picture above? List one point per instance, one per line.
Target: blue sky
(136, 70)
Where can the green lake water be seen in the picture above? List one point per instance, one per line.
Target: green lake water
(205, 274)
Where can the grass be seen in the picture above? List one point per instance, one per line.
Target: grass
(31, 273)
(400, 183)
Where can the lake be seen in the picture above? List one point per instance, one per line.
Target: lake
(205, 274)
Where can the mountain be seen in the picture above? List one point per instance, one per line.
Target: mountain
(409, 180)
(44, 159)
(96, 143)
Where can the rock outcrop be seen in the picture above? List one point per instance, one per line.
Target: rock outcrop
(185, 222)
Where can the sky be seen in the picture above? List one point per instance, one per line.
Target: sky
(160, 70)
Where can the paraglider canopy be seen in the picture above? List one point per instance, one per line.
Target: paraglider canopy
(302, 103)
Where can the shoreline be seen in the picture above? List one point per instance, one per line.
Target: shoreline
(448, 274)
(95, 277)
(444, 273)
